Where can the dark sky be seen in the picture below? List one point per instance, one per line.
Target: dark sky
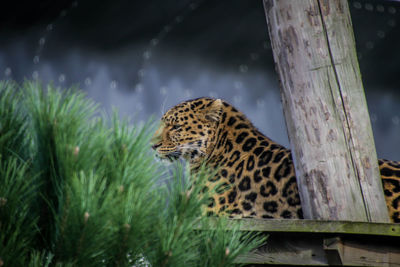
(145, 56)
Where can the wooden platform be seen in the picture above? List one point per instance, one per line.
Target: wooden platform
(323, 243)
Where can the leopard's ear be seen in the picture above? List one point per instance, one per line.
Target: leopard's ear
(214, 111)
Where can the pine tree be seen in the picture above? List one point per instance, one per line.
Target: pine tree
(80, 189)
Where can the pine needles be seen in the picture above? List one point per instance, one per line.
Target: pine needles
(79, 190)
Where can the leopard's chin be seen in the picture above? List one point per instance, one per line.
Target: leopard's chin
(169, 157)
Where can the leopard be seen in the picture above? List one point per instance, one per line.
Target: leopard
(256, 174)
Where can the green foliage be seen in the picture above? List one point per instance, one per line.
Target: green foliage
(177, 244)
(17, 228)
(13, 122)
(65, 141)
(223, 247)
(76, 190)
(41, 259)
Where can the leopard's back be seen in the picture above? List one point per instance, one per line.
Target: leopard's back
(390, 173)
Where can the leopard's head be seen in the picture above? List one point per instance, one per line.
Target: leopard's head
(188, 130)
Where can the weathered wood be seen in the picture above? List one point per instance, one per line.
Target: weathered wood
(323, 250)
(333, 248)
(364, 253)
(289, 249)
(368, 253)
(320, 243)
(315, 226)
(325, 110)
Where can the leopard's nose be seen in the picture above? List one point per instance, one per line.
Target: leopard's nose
(155, 146)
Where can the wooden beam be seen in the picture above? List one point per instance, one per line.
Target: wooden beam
(319, 243)
(325, 110)
(314, 226)
(323, 250)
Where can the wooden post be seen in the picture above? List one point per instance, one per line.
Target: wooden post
(325, 110)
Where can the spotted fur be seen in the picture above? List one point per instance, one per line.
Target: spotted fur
(255, 176)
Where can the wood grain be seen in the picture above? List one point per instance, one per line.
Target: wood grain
(325, 109)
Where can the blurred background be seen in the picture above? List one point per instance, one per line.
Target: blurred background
(143, 57)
